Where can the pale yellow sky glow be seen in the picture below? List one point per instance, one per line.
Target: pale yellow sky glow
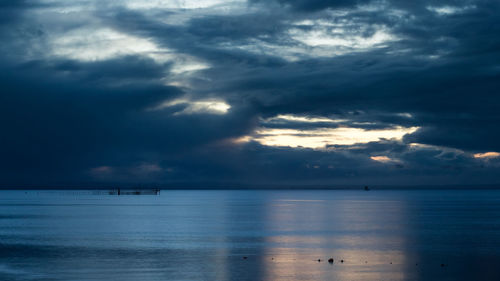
(320, 138)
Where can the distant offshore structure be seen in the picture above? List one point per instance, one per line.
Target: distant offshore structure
(119, 191)
(367, 188)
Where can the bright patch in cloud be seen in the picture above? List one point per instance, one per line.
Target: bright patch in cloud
(105, 43)
(341, 40)
(384, 159)
(187, 64)
(101, 44)
(303, 119)
(327, 39)
(178, 4)
(405, 114)
(320, 138)
(318, 135)
(322, 38)
(212, 106)
(449, 10)
(490, 154)
(101, 170)
(443, 152)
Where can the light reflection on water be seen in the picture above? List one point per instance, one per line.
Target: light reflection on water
(205, 235)
(345, 224)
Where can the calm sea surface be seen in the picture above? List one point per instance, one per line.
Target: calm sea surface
(206, 235)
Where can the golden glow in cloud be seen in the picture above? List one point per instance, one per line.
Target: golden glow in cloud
(490, 154)
(383, 159)
(320, 138)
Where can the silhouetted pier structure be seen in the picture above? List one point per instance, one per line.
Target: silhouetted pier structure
(119, 191)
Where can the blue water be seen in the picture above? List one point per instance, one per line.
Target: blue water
(205, 235)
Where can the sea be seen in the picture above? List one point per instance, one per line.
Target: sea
(250, 235)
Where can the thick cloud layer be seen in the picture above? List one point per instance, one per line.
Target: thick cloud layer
(258, 93)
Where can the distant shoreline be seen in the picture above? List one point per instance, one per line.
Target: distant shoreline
(263, 187)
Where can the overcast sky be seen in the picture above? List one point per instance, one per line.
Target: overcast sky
(230, 92)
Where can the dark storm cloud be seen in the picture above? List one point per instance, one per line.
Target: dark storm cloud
(10, 10)
(234, 28)
(118, 69)
(55, 125)
(318, 5)
(77, 119)
(315, 5)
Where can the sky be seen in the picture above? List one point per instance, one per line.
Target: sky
(207, 93)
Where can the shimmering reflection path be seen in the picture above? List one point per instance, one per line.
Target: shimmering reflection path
(205, 235)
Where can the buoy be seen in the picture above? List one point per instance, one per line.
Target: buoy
(330, 260)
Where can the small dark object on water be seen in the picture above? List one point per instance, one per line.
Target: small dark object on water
(366, 261)
(366, 188)
(330, 260)
(245, 258)
(341, 260)
(443, 265)
(319, 260)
